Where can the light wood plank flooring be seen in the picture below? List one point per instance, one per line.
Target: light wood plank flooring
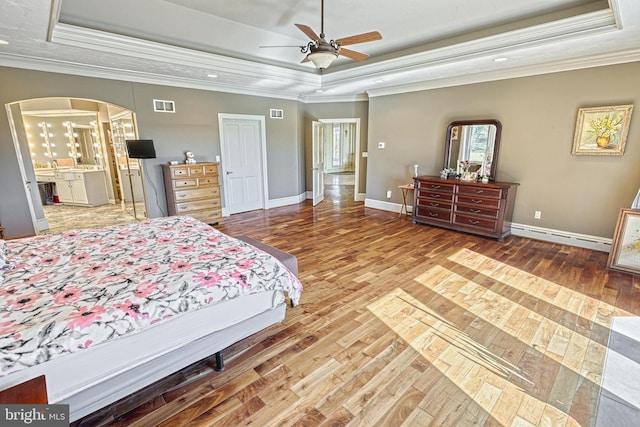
(406, 325)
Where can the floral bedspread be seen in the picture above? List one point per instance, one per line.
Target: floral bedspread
(70, 291)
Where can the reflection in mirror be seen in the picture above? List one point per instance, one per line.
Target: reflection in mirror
(473, 142)
(129, 170)
(64, 140)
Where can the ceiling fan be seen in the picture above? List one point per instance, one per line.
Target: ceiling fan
(322, 52)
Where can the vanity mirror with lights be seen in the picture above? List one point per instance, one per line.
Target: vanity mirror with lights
(66, 150)
(482, 208)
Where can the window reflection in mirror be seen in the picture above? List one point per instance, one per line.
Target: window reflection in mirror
(475, 142)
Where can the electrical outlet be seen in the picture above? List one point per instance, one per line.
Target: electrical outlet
(537, 215)
(389, 194)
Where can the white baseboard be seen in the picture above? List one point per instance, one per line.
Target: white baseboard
(586, 241)
(275, 203)
(286, 201)
(385, 206)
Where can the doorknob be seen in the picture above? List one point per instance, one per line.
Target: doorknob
(228, 173)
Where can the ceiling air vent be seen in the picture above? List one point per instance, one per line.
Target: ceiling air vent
(162, 106)
(276, 113)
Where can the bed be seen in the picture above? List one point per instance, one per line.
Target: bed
(105, 312)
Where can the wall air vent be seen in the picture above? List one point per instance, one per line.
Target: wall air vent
(163, 106)
(276, 113)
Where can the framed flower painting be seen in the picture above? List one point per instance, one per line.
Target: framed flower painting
(602, 131)
(625, 247)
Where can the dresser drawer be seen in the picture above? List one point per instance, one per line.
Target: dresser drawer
(475, 221)
(211, 170)
(495, 193)
(478, 201)
(434, 203)
(434, 195)
(186, 207)
(436, 186)
(185, 183)
(180, 172)
(196, 194)
(433, 214)
(196, 171)
(208, 180)
(488, 212)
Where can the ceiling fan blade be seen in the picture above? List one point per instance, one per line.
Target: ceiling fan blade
(353, 54)
(360, 38)
(308, 31)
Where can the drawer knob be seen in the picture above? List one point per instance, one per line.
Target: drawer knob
(477, 202)
(474, 222)
(475, 190)
(435, 205)
(182, 195)
(435, 196)
(433, 214)
(435, 186)
(475, 210)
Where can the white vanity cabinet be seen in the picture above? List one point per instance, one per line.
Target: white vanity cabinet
(81, 187)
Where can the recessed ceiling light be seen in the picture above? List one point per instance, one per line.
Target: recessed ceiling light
(501, 59)
(4, 42)
(378, 81)
(213, 76)
(319, 90)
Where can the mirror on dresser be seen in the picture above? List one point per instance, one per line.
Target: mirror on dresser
(476, 142)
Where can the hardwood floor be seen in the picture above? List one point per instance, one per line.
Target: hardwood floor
(404, 324)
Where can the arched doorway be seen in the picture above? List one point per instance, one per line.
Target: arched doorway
(74, 163)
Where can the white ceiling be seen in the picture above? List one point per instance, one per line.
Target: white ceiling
(424, 45)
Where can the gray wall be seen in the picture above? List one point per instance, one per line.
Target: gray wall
(580, 194)
(193, 127)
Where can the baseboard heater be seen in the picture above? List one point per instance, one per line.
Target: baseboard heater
(562, 237)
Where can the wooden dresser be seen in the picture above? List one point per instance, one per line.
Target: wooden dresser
(194, 190)
(471, 207)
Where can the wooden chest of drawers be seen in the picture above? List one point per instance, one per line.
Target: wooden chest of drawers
(194, 190)
(471, 207)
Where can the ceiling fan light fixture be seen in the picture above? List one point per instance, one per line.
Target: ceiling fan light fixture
(322, 59)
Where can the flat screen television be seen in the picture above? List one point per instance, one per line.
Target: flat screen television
(141, 149)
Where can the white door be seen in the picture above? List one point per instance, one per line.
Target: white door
(242, 146)
(318, 162)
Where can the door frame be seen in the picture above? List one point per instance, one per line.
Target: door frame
(356, 121)
(263, 155)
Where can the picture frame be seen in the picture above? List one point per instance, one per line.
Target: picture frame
(602, 131)
(454, 133)
(625, 246)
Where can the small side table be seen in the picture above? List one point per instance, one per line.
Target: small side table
(405, 189)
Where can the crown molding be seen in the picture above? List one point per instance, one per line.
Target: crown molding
(84, 70)
(631, 55)
(558, 31)
(101, 41)
(320, 99)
